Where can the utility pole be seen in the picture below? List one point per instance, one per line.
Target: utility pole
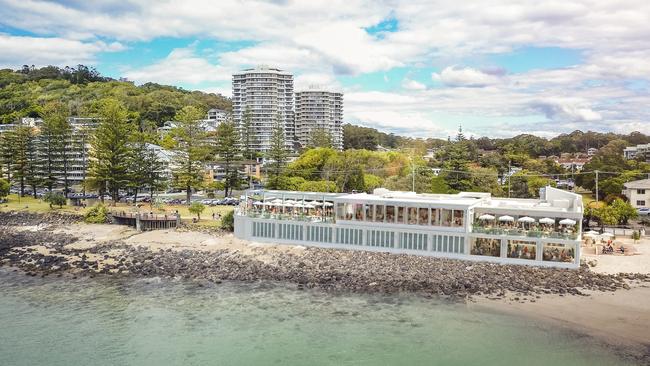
(596, 186)
(509, 175)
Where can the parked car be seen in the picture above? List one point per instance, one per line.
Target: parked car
(644, 211)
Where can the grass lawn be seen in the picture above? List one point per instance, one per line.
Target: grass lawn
(588, 200)
(30, 204)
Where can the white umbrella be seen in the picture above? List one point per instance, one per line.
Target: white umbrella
(315, 203)
(486, 217)
(506, 218)
(592, 233)
(258, 203)
(309, 205)
(547, 220)
(288, 204)
(567, 222)
(328, 204)
(526, 219)
(269, 204)
(607, 235)
(277, 201)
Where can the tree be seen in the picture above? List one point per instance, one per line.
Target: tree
(54, 136)
(228, 151)
(191, 150)
(145, 169)
(4, 188)
(320, 137)
(455, 158)
(228, 221)
(111, 151)
(623, 211)
(277, 154)
(197, 208)
(247, 135)
(24, 157)
(54, 199)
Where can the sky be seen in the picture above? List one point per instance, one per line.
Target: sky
(416, 68)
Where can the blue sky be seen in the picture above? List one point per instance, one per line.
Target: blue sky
(498, 68)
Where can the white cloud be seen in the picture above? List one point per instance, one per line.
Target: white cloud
(412, 84)
(465, 77)
(19, 50)
(182, 65)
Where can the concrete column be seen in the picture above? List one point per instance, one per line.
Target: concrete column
(138, 224)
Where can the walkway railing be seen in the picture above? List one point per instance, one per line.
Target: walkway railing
(525, 233)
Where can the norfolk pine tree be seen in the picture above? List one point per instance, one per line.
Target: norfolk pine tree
(110, 149)
(228, 152)
(277, 154)
(191, 150)
(52, 145)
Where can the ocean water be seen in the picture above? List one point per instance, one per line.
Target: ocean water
(56, 321)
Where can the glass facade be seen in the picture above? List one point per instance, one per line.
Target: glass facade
(486, 247)
(522, 249)
(556, 252)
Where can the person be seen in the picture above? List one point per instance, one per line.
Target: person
(212, 215)
(622, 249)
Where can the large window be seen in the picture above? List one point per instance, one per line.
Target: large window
(640, 203)
(434, 217)
(340, 211)
(445, 217)
(555, 252)
(423, 216)
(413, 216)
(458, 218)
(349, 211)
(369, 211)
(640, 191)
(390, 214)
(487, 247)
(401, 213)
(522, 249)
(358, 211)
(379, 213)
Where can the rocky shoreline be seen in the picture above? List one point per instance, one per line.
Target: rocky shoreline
(41, 250)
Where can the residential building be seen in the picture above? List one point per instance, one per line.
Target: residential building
(591, 151)
(573, 164)
(633, 151)
(467, 225)
(318, 108)
(268, 94)
(165, 157)
(638, 193)
(214, 118)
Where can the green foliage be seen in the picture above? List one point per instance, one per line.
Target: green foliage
(98, 214)
(623, 211)
(145, 169)
(371, 181)
(110, 149)
(4, 188)
(54, 199)
(277, 154)
(317, 186)
(228, 221)
(320, 137)
(25, 91)
(228, 153)
(197, 208)
(248, 137)
(191, 152)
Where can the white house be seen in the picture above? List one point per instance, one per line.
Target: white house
(638, 193)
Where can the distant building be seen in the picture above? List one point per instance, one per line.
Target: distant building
(214, 118)
(574, 164)
(633, 151)
(319, 109)
(591, 151)
(268, 94)
(165, 157)
(638, 193)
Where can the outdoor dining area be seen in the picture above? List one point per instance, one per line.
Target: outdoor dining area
(279, 208)
(542, 227)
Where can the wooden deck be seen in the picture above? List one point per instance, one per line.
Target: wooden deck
(146, 221)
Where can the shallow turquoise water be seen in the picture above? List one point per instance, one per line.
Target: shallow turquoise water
(162, 322)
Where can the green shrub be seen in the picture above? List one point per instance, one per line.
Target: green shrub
(54, 199)
(97, 215)
(197, 208)
(4, 188)
(228, 221)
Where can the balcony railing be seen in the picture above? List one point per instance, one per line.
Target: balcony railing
(566, 235)
(290, 217)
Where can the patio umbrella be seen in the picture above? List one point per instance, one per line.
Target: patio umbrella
(257, 203)
(315, 203)
(288, 204)
(486, 217)
(309, 205)
(526, 219)
(328, 204)
(567, 222)
(277, 201)
(507, 218)
(607, 235)
(547, 220)
(592, 233)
